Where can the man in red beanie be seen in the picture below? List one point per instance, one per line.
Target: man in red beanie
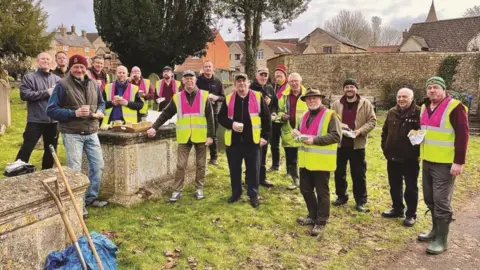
(77, 104)
(280, 85)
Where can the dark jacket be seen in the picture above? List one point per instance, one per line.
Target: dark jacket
(34, 90)
(70, 94)
(267, 91)
(241, 115)
(171, 110)
(57, 71)
(213, 86)
(395, 144)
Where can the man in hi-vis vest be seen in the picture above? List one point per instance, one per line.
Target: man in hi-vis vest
(144, 88)
(320, 131)
(247, 119)
(443, 151)
(165, 88)
(195, 128)
(122, 99)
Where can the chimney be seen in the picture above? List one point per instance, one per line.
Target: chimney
(63, 31)
(404, 34)
(73, 29)
(84, 33)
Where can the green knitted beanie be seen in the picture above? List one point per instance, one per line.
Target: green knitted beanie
(436, 80)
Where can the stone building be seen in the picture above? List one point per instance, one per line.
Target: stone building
(452, 35)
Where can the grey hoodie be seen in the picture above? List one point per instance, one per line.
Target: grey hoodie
(34, 90)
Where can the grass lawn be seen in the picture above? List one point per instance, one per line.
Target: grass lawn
(217, 235)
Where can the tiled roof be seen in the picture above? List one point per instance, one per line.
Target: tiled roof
(383, 49)
(447, 35)
(284, 40)
(281, 47)
(92, 36)
(72, 40)
(335, 36)
(194, 64)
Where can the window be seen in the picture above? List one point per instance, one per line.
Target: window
(327, 49)
(260, 54)
(65, 48)
(237, 56)
(87, 49)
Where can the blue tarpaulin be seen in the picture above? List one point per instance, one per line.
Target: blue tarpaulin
(68, 258)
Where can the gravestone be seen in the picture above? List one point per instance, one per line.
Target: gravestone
(5, 115)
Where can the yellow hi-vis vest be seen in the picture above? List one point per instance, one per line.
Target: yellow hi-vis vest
(314, 157)
(438, 144)
(129, 115)
(191, 120)
(144, 109)
(284, 108)
(254, 109)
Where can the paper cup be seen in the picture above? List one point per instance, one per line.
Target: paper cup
(240, 125)
(118, 122)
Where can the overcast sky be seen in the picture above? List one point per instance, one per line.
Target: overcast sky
(396, 13)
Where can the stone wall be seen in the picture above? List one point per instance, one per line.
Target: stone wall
(30, 223)
(375, 71)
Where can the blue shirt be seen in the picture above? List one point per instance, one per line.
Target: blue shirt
(117, 113)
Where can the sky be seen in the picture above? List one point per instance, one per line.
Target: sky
(399, 14)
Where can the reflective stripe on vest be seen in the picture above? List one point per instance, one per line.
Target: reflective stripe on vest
(191, 121)
(438, 145)
(254, 109)
(284, 107)
(314, 157)
(160, 85)
(128, 114)
(145, 83)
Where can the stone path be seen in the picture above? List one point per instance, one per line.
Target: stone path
(463, 250)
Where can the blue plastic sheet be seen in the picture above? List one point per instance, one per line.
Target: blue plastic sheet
(68, 258)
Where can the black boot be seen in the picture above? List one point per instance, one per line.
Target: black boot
(439, 245)
(425, 237)
(293, 175)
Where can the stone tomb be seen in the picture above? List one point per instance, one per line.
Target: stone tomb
(138, 167)
(30, 223)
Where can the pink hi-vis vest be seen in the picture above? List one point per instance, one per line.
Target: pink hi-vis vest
(281, 89)
(127, 94)
(162, 85)
(253, 105)
(142, 86)
(438, 116)
(315, 125)
(195, 109)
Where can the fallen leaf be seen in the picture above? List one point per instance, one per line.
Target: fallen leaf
(379, 249)
(158, 218)
(136, 251)
(169, 254)
(142, 218)
(216, 220)
(170, 265)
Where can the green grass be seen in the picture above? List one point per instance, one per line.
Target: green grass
(11, 142)
(223, 236)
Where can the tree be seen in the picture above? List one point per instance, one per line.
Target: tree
(249, 15)
(351, 25)
(154, 33)
(472, 12)
(355, 27)
(23, 26)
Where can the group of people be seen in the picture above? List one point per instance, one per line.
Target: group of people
(317, 140)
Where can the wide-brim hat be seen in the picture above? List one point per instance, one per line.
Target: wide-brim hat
(312, 92)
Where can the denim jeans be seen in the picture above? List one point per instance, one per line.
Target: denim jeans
(75, 145)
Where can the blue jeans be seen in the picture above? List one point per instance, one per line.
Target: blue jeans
(75, 145)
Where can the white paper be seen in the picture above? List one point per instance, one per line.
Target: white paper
(160, 99)
(417, 137)
(348, 133)
(153, 115)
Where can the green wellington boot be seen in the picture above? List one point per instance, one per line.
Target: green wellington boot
(439, 245)
(425, 237)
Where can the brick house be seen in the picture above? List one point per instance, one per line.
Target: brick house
(72, 43)
(216, 52)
